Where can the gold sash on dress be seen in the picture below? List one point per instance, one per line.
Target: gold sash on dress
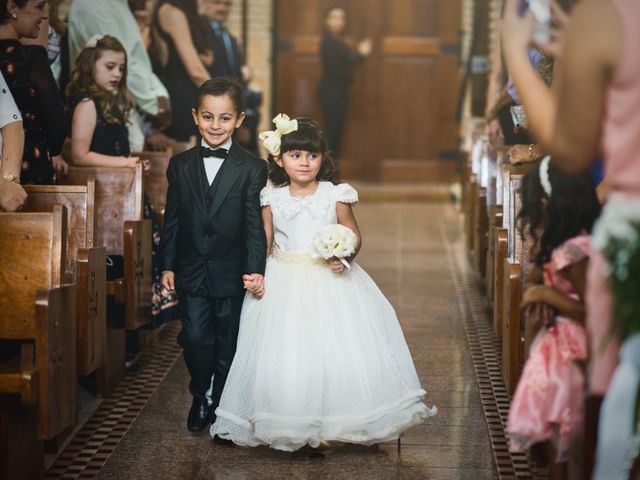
(296, 258)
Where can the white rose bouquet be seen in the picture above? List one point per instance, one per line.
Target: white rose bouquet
(617, 236)
(335, 240)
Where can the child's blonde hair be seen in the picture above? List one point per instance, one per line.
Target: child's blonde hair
(82, 79)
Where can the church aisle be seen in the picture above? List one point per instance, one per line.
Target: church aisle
(413, 251)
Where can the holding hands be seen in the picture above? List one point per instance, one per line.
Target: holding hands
(254, 284)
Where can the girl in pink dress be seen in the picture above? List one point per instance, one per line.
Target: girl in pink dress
(558, 212)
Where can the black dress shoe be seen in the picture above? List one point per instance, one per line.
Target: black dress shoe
(199, 416)
(221, 441)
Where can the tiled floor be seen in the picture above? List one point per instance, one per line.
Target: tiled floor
(414, 251)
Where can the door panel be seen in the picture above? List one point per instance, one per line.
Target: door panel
(402, 101)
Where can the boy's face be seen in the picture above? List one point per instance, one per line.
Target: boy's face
(217, 118)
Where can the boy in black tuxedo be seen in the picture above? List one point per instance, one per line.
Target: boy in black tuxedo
(213, 236)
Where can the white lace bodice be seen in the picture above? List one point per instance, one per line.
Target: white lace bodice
(297, 220)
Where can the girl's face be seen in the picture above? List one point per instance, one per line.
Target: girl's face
(301, 166)
(108, 70)
(336, 21)
(216, 119)
(29, 18)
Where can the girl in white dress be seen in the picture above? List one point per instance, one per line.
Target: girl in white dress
(320, 356)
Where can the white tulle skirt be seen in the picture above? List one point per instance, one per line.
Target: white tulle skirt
(320, 358)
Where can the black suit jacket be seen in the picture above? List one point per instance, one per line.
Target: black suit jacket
(219, 242)
(221, 66)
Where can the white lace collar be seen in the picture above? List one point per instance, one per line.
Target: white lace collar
(317, 204)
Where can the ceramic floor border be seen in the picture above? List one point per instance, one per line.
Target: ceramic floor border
(92, 446)
(486, 353)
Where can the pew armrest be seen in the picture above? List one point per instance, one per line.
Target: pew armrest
(15, 380)
(137, 272)
(55, 359)
(118, 289)
(91, 308)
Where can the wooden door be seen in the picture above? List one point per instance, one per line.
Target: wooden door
(401, 120)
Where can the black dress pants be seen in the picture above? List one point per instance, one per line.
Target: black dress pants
(208, 337)
(334, 101)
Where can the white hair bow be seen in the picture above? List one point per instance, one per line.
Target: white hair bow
(93, 41)
(272, 139)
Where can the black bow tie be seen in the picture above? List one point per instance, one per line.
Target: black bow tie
(209, 152)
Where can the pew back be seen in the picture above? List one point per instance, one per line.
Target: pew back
(32, 254)
(79, 201)
(119, 197)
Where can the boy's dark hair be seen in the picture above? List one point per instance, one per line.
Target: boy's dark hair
(309, 137)
(221, 86)
(572, 208)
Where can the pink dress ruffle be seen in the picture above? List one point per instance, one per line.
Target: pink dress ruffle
(546, 404)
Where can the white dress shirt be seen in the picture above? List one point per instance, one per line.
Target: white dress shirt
(212, 164)
(9, 112)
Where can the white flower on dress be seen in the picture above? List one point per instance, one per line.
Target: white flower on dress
(335, 240)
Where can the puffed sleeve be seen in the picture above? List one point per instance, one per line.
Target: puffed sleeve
(266, 196)
(345, 193)
(571, 252)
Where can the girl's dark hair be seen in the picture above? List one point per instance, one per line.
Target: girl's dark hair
(220, 86)
(4, 13)
(200, 30)
(309, 137)
(572, 208)
(83, 79)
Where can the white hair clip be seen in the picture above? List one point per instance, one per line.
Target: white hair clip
(93, 41)
(544, 175)
(272, 139)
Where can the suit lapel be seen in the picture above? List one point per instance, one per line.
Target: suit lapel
(229, 173)
(194, 171)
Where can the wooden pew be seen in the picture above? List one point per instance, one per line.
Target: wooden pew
(472, 193)
(516, 269)
(494, 219)
(485, 199)
(156, 179)
(85, 264)
(38, 314)
(122, 230)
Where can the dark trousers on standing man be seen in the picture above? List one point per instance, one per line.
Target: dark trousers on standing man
(333, 99)
(208, 337)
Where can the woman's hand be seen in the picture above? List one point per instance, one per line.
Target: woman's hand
(534, 294)
(60, 167)
(559, 24)
(365, 47)
(517, 31)
(519, 154)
